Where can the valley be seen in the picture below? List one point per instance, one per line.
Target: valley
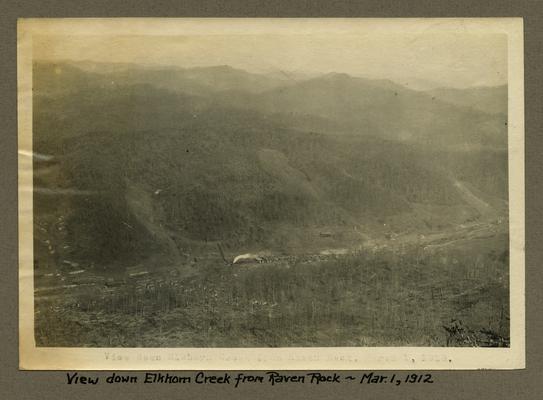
(379, 214)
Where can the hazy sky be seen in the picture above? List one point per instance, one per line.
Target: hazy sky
(448, 59)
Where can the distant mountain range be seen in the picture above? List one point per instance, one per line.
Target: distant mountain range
(179, 160)
(334, 103)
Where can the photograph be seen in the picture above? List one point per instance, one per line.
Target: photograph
(343, 192)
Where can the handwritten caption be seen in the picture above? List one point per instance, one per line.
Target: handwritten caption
(238, 379)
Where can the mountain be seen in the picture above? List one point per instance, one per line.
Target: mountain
(489, 99)
(334, 103)
(152, 171)
(198, 81)
(385, 109)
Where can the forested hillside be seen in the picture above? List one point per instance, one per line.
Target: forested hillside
(174, 162)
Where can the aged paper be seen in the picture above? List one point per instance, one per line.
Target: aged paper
(279, 194)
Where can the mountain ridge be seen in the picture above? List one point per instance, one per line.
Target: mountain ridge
(176, 173)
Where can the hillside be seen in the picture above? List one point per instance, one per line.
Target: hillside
(334, 103)
(365, 107)
(169, 173)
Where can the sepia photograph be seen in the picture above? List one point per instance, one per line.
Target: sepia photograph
(277, 193)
